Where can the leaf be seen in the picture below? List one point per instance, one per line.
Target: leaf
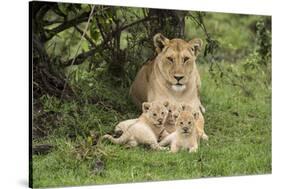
(76, 76)
(95, 35)
(63, 8)
(89, 140)
(85, 7)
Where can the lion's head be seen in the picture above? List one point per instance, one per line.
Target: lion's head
(185, 123)
(156, 112)
(176, 59)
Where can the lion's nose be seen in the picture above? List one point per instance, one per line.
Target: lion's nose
(160, 120)
(178, 78)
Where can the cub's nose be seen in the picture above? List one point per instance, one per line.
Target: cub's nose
(160, 120)
(185, 129)
(178, 78)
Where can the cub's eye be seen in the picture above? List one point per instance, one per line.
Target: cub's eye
(175, 116)
(162, 113)
(185, 59)
(171, 60)
(181, 123)
(154, 114)
(170, 111)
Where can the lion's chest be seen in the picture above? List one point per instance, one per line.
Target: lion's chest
(162, 94)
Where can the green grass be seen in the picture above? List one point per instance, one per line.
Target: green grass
(237, 118)
(238, 125)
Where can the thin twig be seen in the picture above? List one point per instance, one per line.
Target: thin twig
(202, 25)
(66, 25)
(86, 36)
(79, 45)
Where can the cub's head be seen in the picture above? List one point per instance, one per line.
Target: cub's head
(173, 112)
(156, 112)
(176, 59)
(185, 123)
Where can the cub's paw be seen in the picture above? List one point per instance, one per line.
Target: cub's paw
(163, 148)
(203, 110)
(205, 137)
(193, 150)
(107, 136)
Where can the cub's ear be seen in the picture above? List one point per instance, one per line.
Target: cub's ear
(196, 45)
(145, 106)
(185, 107)
(160, 41)
(196, 115)
(166, 103)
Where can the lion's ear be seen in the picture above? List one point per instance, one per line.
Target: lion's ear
(183, 106)
(145, 106)
(196, 115)
(196, 45)
(160, 41)
(166, 103)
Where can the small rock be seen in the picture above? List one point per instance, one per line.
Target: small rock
(97, 167)
(42, 149)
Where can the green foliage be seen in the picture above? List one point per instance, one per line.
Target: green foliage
(240, 75)
(264, 40)
(238, 125)
(236, 92)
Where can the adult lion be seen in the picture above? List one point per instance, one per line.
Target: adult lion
(172, 75)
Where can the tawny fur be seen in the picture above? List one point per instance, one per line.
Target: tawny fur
(144, 130)
(174, 111)
(186, 136)
(157, 80)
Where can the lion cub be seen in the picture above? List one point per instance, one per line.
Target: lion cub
(185, 137)
(144, 130)
(173, 112)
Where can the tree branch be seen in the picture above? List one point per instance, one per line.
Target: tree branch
(136, 22)
(65, 25)
(86, 36)
(83, 56)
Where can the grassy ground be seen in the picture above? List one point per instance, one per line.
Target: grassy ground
(238, 125)
(238, 120)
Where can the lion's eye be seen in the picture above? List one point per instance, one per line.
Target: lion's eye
(170, 111)
(181, 123)
(154, 114)
(171, 60)
(185, 59)
(162, 113)
(175, 116)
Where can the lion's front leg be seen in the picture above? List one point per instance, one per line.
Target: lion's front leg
(193, 149)
(174, 148)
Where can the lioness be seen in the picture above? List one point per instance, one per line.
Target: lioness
(147, 128)
(171, 76)
(186, 136)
